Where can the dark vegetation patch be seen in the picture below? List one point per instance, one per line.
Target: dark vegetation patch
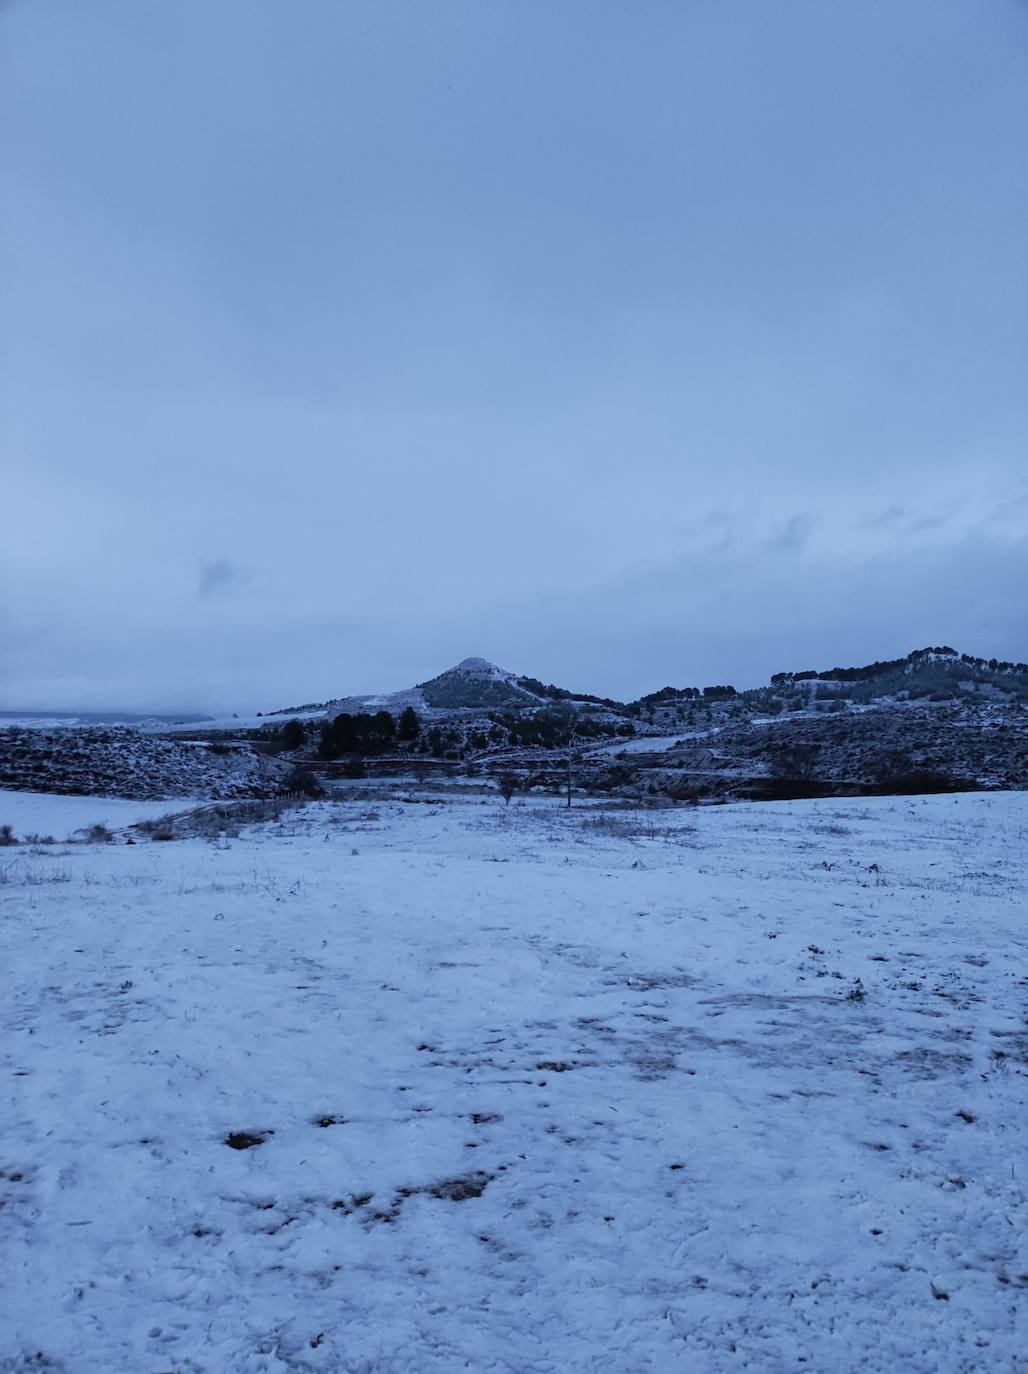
(931, 1063)
(217, 820)
(915, 782)
(650, 1067)
(301, 781)
(647, 982)
(349, 1205)
(460, 1189)
(246, 1140)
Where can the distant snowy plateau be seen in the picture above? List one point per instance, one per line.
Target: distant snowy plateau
(412, 1082)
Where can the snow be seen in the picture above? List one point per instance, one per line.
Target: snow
(46, 813)
(475, 669)
(645, 744)
(597, 1094)
(40, 720)
(482, 668)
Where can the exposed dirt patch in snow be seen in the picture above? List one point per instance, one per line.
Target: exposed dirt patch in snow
(245, 1140)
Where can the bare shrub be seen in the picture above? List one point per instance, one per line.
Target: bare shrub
(634, 828)
(222, 818)
(19, 874)
(156, 825)
(303, 781)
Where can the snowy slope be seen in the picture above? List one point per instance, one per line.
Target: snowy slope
(473, 682)
(538, 1091)
(47, 813)
(121, 762)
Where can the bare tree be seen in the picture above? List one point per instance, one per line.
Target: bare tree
(508, 785)
(572, 740)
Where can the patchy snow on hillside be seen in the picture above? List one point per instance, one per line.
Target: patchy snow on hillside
(453, 1086)
(119, 762)
(645, 744)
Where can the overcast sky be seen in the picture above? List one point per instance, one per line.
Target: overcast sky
(660, 341)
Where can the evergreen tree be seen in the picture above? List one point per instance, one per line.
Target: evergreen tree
(357, 734)
(294, 735)
(327, 747)
(410, 726)
(384, 726)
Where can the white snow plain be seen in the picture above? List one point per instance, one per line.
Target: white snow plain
(737, 1088)
(61, 817)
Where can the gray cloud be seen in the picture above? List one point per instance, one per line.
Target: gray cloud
(218, 576)
(793, 535)
(703, 616)
(561, 379)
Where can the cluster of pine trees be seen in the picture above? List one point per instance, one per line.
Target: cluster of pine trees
(547, 689)
(670, 696)
(552, 729)
(889, 666)
(364, 733)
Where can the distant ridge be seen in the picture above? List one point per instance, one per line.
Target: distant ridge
(932, 720)
(917, 657)
(477, 683)
(104, 717)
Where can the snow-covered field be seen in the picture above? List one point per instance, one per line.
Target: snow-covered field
(60, 817)
(741, 1088)
(645, 744)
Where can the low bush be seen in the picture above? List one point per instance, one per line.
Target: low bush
(302, 780)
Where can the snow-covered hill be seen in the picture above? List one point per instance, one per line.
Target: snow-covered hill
(957, 717)
(122, 762)
(472, 683)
